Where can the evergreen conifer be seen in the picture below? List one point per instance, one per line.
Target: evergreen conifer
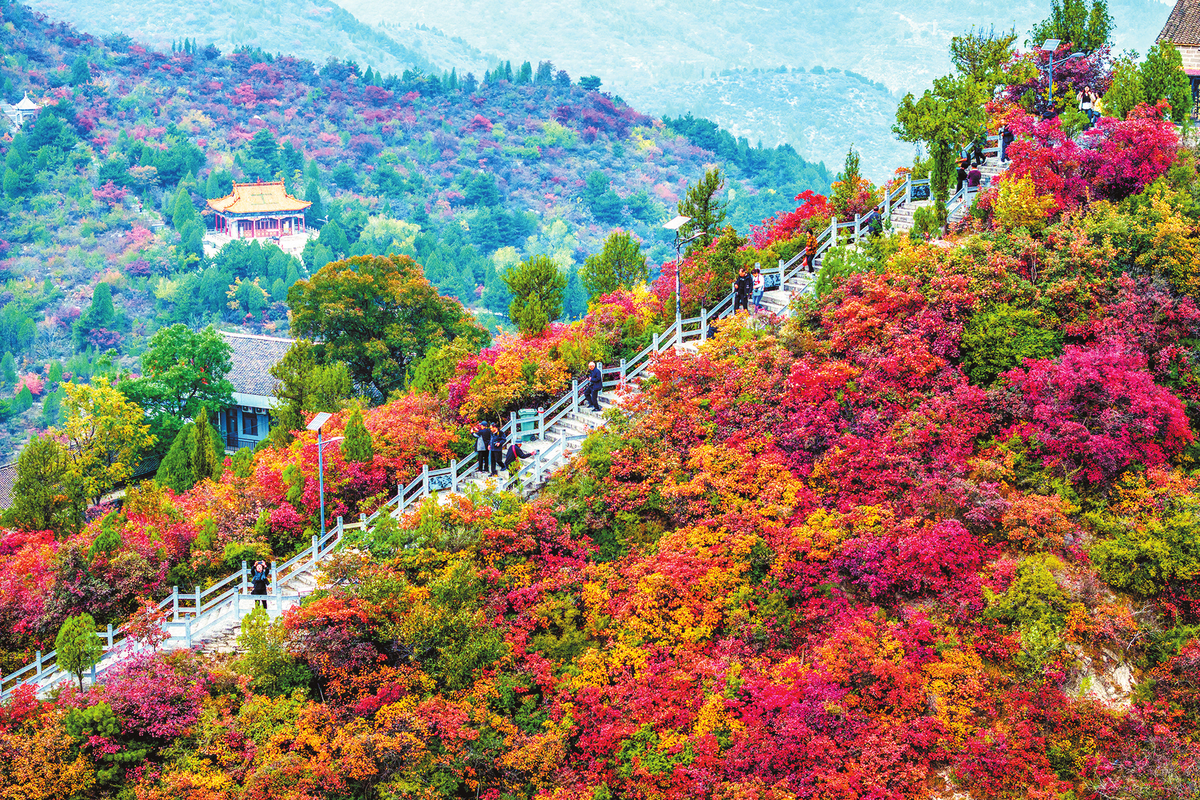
(357, 447)
(204, 454)
(175, 470)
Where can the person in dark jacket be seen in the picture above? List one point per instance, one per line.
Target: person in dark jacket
(483, 438)
(513, 452)
(978, 158)
(974, 177)
(1006, 138)
(495, 449)
(595, 382)
(962, 175)
(742, 287)
(259, 576)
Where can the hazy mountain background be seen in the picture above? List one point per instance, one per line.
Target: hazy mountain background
(719, 59)
(661, 55)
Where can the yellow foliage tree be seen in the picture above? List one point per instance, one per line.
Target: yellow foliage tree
(1020, 206)
(1173, 247)
(37, 764)
(105, 434)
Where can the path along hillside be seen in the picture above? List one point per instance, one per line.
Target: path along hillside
(210, 617)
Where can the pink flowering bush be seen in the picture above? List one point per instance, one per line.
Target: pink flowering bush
(156, 695)
(1094, 412)
(1111, 161)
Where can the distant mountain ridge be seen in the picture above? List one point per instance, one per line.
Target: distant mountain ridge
(313, 29)
(820, 113)
(663, 57)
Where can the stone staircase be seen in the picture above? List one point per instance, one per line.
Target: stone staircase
(778, 301)
(903, 211)
(902, 217)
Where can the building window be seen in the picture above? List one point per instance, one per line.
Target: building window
(249, 424)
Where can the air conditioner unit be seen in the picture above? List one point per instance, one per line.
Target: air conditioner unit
(248, 410)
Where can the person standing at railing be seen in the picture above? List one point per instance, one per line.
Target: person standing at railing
(810, 250)
(495, 450)
(759, 284)
(743, 284)
(595, 380)
(974, 177)
(259, 576)
(483, 438)
(1006, 138)
(962, 175)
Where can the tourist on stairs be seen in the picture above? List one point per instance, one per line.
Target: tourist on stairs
(742, 286)
(512, 455)
(483, 438)
(495, 450)
(759, 284)
(595, 383)
(259, 577)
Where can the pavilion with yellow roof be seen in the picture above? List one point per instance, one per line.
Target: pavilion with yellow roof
(255, 210)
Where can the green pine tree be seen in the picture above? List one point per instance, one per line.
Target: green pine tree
(1126, 91)
(204, 453)
(1163, 78)
(537, 294)
(175, 470)
(77, 646)
(183, 210)
(846, 190)
(575, 301)
(620, 265)
(314, 214)
(1099, 26)
(8, 370)
(23, 401)
(81, 71)
(357, 447)
(45, 495)
(707, 212)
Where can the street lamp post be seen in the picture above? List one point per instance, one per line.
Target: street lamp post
(674, 226)
(317, 423)
(1049, 46)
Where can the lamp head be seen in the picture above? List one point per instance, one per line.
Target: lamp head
(318, 421)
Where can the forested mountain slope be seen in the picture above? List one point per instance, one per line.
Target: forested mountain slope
(665, 58)
(468, 177)
(673, 57)
(930, 536)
